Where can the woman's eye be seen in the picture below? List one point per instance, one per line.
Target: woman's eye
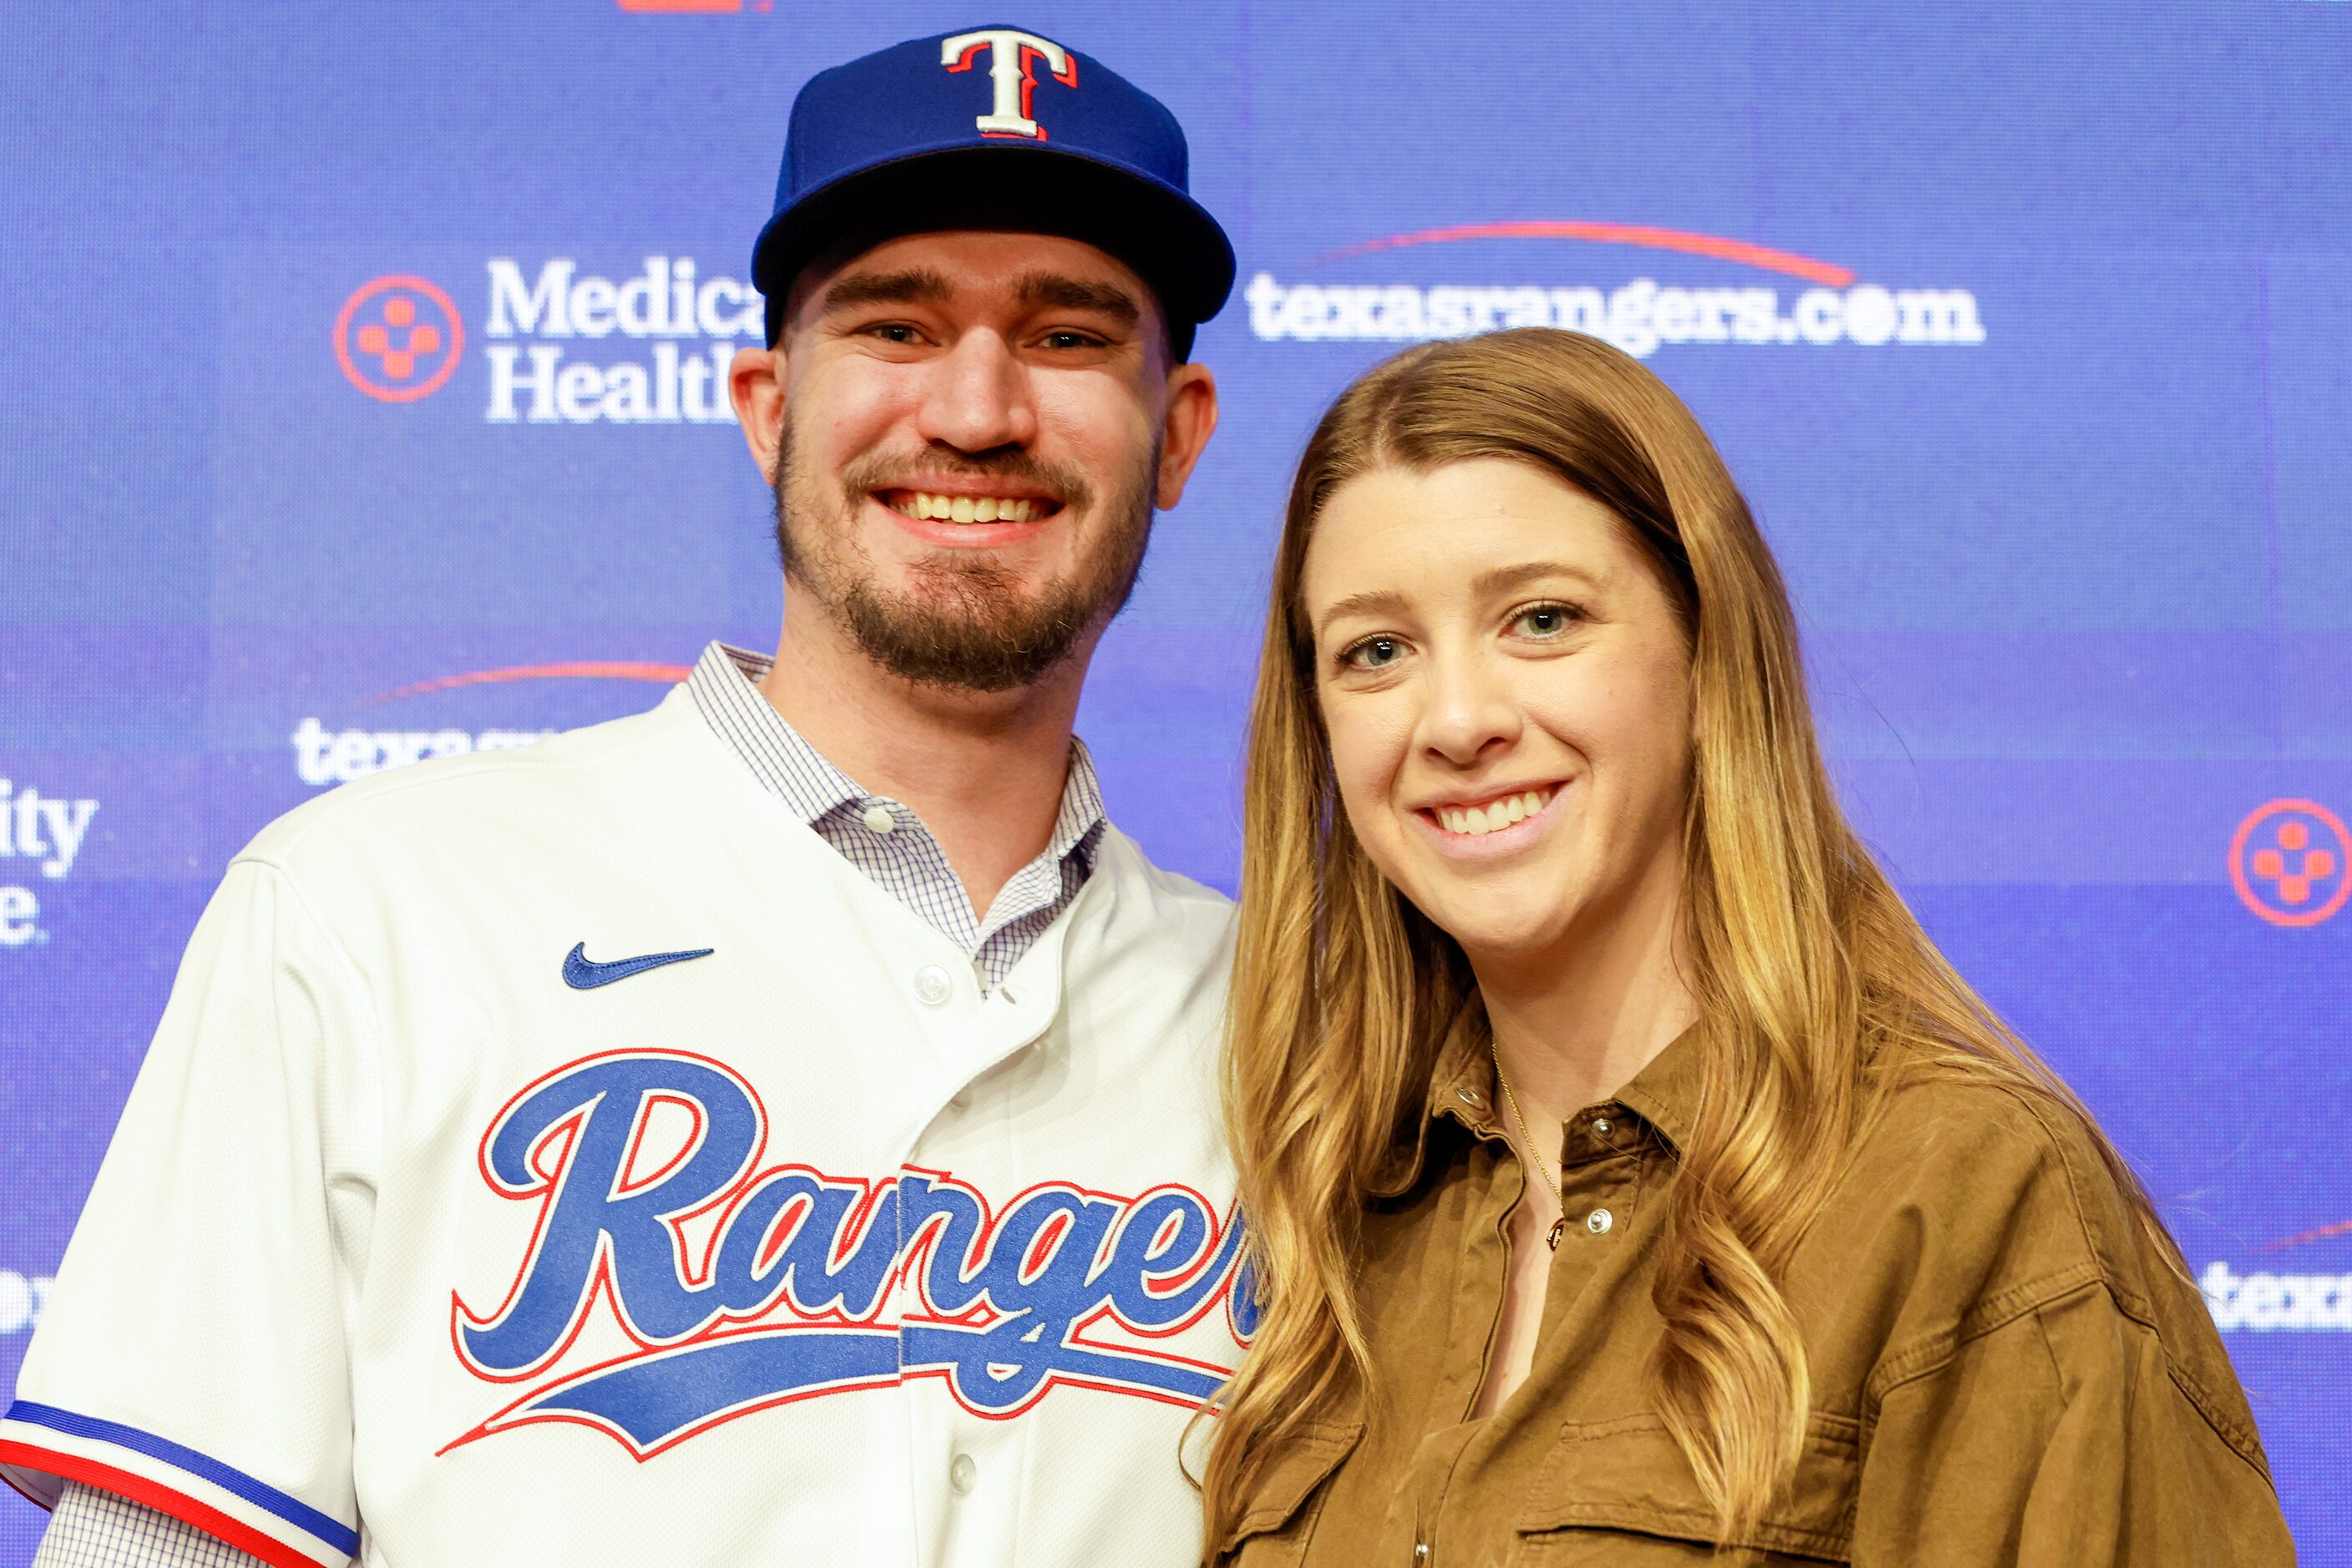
(1373, 653)
(1545, 620)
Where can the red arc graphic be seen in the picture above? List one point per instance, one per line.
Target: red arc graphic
(663, 674)
(1644, 235)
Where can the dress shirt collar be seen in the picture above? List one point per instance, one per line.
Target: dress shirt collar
(725, 687)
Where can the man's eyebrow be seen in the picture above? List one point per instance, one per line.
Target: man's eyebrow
(1057, 291)
(916, 285)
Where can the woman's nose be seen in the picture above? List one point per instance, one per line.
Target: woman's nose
(1468, 711)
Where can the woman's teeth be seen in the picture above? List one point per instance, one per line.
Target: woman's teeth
(1496, 814)
(969, 509)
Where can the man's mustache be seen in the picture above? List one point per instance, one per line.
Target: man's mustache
(866, 475)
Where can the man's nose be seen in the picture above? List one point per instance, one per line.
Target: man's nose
(978, 396)
(1469, 710)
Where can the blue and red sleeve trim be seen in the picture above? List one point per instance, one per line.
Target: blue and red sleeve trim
(142, 1487)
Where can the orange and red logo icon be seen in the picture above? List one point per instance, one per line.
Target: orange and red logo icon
(2292, 862)
(398, 338)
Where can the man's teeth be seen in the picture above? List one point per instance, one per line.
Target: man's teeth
(972, 509)
(1496, 814)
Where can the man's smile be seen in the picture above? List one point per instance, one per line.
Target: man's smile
(962, 506)
(971, 511)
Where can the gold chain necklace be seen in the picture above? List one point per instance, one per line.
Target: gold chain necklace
(1559, 1225)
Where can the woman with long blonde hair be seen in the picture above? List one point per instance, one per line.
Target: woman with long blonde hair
(1629, 1178)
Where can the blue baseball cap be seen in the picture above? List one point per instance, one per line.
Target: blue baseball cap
(993, 127)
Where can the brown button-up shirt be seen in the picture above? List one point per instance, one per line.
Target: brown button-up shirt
(2003, 1371)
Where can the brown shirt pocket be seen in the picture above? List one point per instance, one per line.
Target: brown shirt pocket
(1278, 1517)
(1620, 1492)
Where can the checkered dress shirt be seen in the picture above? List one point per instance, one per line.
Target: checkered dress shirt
(96, 1528)
(903, 859)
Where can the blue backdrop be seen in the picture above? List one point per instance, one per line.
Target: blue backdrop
(354, 405)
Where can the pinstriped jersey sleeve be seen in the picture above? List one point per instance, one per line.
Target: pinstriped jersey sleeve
(193, 1358)
(96, 1528)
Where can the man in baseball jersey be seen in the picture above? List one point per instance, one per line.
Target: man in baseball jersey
(779, 1127)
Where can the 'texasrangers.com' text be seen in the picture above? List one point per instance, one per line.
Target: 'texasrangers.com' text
(1638, 318)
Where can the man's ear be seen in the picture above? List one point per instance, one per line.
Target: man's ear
(755, 383)
(1184, 433)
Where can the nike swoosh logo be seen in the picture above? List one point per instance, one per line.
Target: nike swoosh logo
(584, 974)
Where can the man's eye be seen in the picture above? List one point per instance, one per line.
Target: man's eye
(1071, 341)
(1373, 653)
(895, 332)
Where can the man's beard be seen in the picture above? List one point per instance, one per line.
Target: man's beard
(966, 624)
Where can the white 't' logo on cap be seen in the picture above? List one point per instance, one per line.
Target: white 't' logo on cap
(1013, 66)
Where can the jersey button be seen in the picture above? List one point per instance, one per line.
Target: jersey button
(878, 819)
(932, 985)
(964, 1474)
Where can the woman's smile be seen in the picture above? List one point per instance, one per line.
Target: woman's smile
(1489, 826)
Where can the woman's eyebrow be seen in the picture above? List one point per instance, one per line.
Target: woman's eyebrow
(1373, 602)
(1502, 579)
(1493, 581)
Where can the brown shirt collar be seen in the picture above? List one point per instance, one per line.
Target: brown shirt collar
(1462, 1088)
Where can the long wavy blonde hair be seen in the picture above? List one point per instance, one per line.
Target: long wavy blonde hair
(1803, 959)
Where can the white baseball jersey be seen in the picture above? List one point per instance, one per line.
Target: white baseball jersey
(563, 1156)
